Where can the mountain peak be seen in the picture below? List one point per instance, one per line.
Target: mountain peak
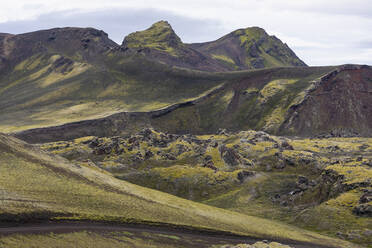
(254, 29)
(162, 24)
(160, 36)
(250, 48)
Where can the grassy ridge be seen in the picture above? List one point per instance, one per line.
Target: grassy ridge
(249, 100)
(34, 182)
(41, 92)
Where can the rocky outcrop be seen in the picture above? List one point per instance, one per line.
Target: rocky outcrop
(336, 105)
(364, 208)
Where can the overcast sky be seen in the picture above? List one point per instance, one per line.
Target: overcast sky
(321, 32)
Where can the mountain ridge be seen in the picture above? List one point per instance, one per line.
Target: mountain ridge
(161, 38)
(249, 48)
(66, 75)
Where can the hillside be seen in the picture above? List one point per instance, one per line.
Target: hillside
(39, 186)
(69, 75)
(154, 142)
(304, 182)
(278, 101)
(250, 48)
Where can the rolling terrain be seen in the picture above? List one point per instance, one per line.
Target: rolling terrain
(299, 181)
(36, 186)
(71, 75)
(306, 102)
(159, 143)
(62, 75)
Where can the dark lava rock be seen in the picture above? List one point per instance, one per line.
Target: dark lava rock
(242, 175)
(168, 156)
(208, 158)
(104, 149)
(286, 146)
(209, 164)
(363, 147)
(222, 132)
(303, 183)
(214, 144)
(146, 133)
(160, 143)
(363, 210)
(148, 154)
(290, 161)
(261, 136)
(181, 149)
(229, 156)
(366, 197)
(94, 142)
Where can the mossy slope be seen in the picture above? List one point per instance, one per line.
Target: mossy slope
(317, 184)
(37, 185)
(250, 48)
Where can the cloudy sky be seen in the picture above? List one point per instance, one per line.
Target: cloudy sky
(320, 32)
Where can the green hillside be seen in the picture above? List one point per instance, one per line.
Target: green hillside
(317, 184)
(40, 186)
(51, 89)
(258, 99)
(45, 82)
(250, 48)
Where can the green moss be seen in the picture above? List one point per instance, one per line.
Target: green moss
(159, 36)
(353, 173)
(223, 58)
(274, 87)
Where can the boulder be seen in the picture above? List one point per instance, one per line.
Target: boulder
(363, 210)
(242, 175)
(286, 146)
(366, 197)
(230, 156)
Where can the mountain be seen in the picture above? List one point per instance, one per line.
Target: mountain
(250, 48)
(161, 43)
(205, 122)
(43, 187)
(79, 44)
(307, 101)
(67, 75)
(242, 49)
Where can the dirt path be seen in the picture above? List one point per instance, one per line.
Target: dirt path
(69, 227)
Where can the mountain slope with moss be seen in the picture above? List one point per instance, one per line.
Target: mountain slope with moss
(306, 101)
(319, 184)
(38, 186)
(250, 48)
(70, 75)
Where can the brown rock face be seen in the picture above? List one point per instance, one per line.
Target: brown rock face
(340, 105)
